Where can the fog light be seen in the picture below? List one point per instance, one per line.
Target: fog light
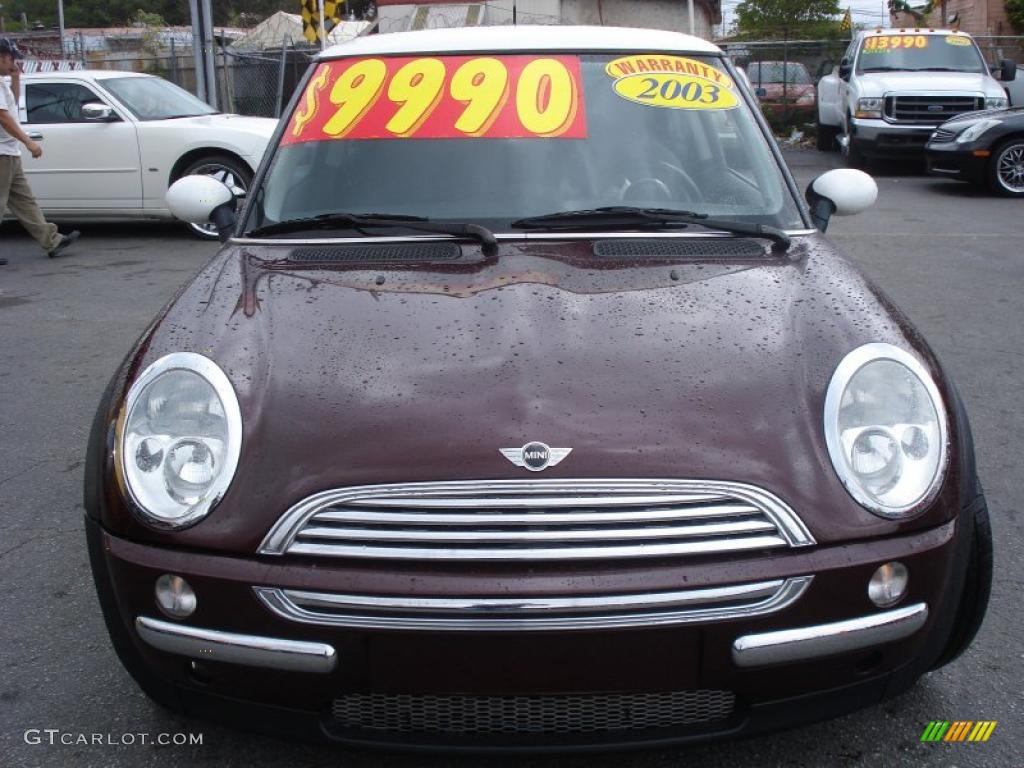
(174, 596)
(888, 585)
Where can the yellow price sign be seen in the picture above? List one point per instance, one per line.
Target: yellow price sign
(881, 43)
(672, 82)
(675, 92)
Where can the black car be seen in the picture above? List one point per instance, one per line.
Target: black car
(985, 148)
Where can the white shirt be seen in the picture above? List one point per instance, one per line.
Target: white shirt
(8, 144)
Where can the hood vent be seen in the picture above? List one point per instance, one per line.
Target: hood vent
(676, 248)
(401, 253)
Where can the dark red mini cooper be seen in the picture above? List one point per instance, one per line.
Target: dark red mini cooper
(526, 407)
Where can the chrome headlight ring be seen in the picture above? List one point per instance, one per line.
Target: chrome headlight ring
(886, 430)
(179, 438)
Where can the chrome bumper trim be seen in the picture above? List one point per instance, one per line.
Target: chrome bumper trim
(250, 650)
(803, 643)
(534, 613)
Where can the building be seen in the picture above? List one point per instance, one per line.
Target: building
(403, 15)
(976, 17)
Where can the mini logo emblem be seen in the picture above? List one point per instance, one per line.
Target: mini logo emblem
(535, 456)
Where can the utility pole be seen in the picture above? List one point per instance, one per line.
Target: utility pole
(60, 25)
(202, 51)
(689, 11)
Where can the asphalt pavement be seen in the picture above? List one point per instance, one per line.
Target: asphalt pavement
(950, 256)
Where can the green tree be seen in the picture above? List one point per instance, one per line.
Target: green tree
(793, 19)
(1015, 13)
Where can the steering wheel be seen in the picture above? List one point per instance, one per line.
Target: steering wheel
(649, 187)
(692, 191)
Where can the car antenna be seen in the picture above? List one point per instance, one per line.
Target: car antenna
(514, 22)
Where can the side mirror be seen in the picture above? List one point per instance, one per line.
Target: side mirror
(98, 112)
(202, 199)
(841, 192)
(845, 68)
(1007, 70)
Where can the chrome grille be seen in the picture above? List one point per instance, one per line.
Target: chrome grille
(548, 714)
(933, 109)
(942, 135)
(537, 520)
(533, 612)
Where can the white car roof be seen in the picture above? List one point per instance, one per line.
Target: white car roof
(915, 30)
(521, 38)
(82, 74)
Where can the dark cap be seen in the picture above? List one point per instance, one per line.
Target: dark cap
(7, 46)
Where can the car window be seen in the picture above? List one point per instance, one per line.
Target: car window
(152, 98)
(777, 72)
(57, 102)
(919, 53)
(358, 142)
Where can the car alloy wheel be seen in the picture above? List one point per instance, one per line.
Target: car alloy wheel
(1009, 169)
(228, 176)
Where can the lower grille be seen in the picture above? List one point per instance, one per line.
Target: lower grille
(532, 612)
(933, 109)
(942, 135)
(551, 714)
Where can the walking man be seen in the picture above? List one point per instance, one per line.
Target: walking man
(15, 192)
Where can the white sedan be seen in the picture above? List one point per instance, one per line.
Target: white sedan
(114, 141)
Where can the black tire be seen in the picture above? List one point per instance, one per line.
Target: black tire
(232, 172)
(825, 137)
(977, 587)
(855, 157)
(1006, 168)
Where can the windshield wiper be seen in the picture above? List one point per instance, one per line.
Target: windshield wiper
(360, 220)
(623, 215)
(883, 69)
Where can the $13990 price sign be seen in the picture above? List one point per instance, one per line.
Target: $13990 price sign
(441, 97)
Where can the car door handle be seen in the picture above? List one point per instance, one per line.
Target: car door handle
(35, 136)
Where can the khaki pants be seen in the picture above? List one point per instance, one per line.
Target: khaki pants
(16, 195)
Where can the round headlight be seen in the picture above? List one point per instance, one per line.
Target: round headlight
(885, 428)
(180, 439)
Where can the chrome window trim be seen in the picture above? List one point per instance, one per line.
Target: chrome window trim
(208, 370)
(790, 530)
(529, 613)
(234, 648)
(852, 362)
(803, 643)
(509, 236)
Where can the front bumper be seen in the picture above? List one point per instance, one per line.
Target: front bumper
(878, 137)
(234, 660)
(957, 161)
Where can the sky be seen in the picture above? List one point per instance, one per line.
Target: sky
(863, 11)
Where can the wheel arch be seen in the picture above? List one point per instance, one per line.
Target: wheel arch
(192, 155)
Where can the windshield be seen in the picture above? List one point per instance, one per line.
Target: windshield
(150, 98)
(954, 53)
(772, 72)
(495, 139)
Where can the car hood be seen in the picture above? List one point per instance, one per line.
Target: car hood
(773, 91)
(882, 83)
(1011, 115)
(361, 375)
(245, 135)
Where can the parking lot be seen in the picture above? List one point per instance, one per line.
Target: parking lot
(950, 256)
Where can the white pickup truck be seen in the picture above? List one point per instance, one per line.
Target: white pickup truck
(894, 86)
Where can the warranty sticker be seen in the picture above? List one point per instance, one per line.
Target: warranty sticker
(672, 82)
